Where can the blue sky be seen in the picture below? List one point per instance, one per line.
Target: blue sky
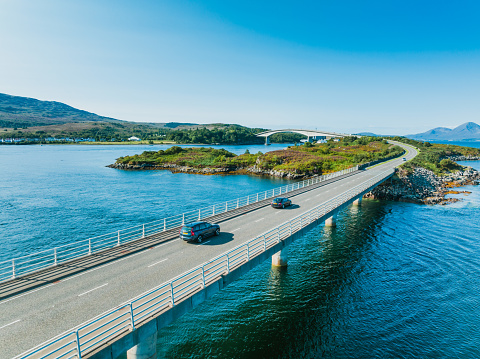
(390, 67)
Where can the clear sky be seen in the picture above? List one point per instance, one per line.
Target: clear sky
(390, 67)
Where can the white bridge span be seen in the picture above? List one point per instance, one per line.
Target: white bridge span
(311, 134)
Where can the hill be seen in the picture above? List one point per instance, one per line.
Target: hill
(28, 120)
(16, 111)
(469, 131)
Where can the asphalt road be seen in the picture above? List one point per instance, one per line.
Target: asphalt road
(35, 316)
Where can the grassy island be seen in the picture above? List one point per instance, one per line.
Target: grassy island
(295, 161)
(438, 158)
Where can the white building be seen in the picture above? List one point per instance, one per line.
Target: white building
(133, 138)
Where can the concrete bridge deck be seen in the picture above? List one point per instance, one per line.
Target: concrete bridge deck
(38, 314)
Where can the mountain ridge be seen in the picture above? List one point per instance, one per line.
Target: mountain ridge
(468, 131)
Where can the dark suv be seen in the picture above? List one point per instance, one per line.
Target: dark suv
(281, 202)
(198, 231)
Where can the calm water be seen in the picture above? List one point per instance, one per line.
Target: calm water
(392, 280)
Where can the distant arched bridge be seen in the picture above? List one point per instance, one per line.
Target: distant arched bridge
(311, 135)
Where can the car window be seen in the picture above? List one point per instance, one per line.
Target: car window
(202, 226)
(186, 229)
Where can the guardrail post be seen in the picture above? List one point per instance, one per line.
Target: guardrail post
(183, 219)
(248, 200)
(290, 224)
(55, 256)
(257, 197)
(171, 293)
(89, 246)
(203, 276)
(199, 211)
(248, 252)
(226, 206)
(164, 224)
(13, 268)
(213, 210)
(77, 339)
(118, 238)
(238, 202)
(131, 316)
(143, 231)
(228, 264)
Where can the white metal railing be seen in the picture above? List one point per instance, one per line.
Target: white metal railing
(126, 317)
(15, 267)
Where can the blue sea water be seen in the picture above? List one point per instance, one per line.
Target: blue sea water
(392, 280)
(56, 194)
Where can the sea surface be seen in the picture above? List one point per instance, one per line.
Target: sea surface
(392, 280)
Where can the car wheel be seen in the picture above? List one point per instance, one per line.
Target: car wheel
(217, 232)
(283, 206)
(199, 239)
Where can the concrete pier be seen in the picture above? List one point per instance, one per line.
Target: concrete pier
(357, 202)
(331, 221)
(147, 349)
(279, 259)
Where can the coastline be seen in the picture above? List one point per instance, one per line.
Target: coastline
(424, 187)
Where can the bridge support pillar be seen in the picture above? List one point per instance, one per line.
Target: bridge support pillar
(267, 140)
(147, 349)
(331, 221)
(357, 202)
(279, 259)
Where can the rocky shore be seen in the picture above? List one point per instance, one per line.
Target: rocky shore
(423, 186)
(252, 170)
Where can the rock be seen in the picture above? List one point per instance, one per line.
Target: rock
(423, 186)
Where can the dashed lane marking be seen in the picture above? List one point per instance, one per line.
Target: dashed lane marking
(6, 325)
(163, 260)
(258, 220)
(91, 290)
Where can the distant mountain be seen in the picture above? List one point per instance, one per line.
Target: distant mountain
(16, 111)
(469, 131)
(25, 112)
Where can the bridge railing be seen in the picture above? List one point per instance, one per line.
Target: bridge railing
(19, 266)
(128, 316)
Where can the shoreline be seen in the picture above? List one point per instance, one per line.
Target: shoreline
(424, 187)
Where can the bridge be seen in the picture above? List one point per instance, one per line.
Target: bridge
(311, 135)
(114, 296)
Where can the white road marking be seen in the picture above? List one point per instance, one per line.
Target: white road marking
(91, 290)
(258, 220)
(163, 260)
(22, 295)
(318, 195)
(6, 325)
(308, 199)
(205, 242)
(236, 229)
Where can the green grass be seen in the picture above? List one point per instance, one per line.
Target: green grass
(308, 159)
(433, 156)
